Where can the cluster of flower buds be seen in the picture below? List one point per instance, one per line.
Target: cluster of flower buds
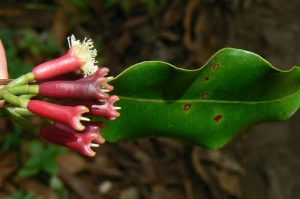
(68, 104)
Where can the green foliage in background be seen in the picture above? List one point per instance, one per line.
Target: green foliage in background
(12, 140)
(125, 5)
(22, 195)
(24, 49)
(81, 3)
(42, 159)
(22, 46)
(128, 5)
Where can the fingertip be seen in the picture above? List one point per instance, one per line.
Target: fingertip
(3, 67)
(3, 62)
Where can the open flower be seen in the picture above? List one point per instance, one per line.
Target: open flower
(107, 110)
(79, 141)
(81, 56)
(69, 115)
(91, 87)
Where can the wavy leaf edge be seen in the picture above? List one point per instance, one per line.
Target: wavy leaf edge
(119, 136)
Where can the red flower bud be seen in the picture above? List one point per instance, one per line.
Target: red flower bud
(107, 110)
(90, 87)
(66, 128)
(79, 141)
(81, 56)
(100, 73)
(68, 115)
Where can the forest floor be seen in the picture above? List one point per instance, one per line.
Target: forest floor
(261, 163)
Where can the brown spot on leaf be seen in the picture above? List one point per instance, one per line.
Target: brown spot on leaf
(216, 66)
(206, 78)
(187, 107)
(218, 118)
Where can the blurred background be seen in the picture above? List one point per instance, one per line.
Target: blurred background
(263, 162)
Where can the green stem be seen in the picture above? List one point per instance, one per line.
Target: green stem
(1, 93)
(21, 90)
(20, 111)
(14, 100)
(29, 96)
(26, 91)
(22, 80)
(23, 122)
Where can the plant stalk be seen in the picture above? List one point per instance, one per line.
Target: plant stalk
(14, 100)
(22, 80)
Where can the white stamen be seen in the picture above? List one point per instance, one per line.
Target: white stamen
(85, 119)
(69, 42)
(94, 145)
(110, 78)
(85, 50)
(105, 90)
(117, 108)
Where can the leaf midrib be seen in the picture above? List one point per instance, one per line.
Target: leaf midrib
(207, 100)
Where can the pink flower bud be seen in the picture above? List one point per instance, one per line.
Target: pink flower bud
(90, 87)
(79, 141)
(107, 110)
(81, 56)
(69, 115)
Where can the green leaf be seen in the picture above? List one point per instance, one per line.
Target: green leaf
(81, 3)
(42, 159)
(35, 148)
(21, 195)
(11, 140)
(49, 164)
(28, 171)
(206, 107)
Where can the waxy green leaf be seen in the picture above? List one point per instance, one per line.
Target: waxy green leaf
(206, 107)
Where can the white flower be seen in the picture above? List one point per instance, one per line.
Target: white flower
(86, 52)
